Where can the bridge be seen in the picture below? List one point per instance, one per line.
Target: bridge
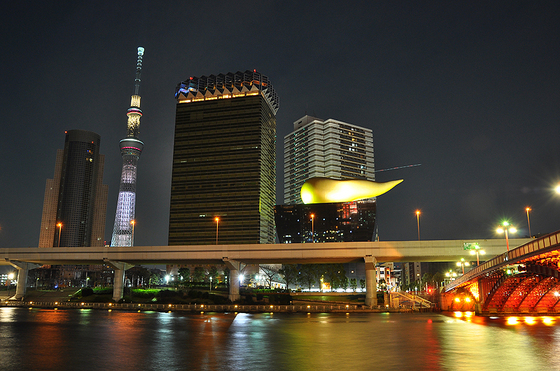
(523, 280)
(123, 258)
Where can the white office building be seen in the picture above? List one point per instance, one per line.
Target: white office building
(325, 148)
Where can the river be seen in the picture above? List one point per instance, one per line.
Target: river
(88, 339)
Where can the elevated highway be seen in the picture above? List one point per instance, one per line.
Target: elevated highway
(122, 258)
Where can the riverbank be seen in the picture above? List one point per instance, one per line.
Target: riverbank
(201, 308)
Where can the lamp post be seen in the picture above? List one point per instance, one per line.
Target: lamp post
(418, 222)
(477, 251)
(450, 275)
(217, 220)
(463, 264)
(312, 228)
(504, 228)
(527, 209)
(59, 225)
(133, 222)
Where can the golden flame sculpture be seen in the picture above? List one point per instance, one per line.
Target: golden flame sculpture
(325, 190)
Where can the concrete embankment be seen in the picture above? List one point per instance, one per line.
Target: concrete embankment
(198, 308)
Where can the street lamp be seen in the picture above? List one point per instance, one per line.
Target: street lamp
(133, 222)
(217, 220)
(504, 228)
(527, 209)
(477, 250)
(451, 275)
(59, 225)
(312, 228)
(418, 222)
(463, 264)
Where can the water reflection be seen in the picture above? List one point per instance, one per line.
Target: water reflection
(70, 339)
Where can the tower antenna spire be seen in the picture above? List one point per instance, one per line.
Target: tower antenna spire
(131, 149)
(137, 79)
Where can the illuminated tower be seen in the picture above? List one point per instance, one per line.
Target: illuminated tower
(131, 148)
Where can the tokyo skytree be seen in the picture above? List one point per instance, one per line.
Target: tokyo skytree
(131, 148)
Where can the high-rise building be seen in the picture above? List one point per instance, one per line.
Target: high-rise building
(131, 149)
(223, 180)
(75, 202)
(325, 148)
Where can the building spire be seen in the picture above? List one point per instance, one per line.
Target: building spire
(131, 149)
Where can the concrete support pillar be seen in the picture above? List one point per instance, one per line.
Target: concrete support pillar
(371, 281)
(23, 270)
(233, 267)
(118, 280)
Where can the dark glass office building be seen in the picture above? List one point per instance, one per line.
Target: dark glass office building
(75, 202)
(223, 186)
(327, 222)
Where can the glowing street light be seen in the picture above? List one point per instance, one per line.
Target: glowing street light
(133, 222)
(527, 209)
(504, 228)
(217, 220)
(477, 250)
(312, 228)
(418, 222)
(451, 276)
(59, 225)
(557, 189)
(463, 264)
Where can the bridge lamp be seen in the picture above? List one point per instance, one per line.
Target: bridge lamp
(505, 228)
(463, 264)
(477, 251)
(241, 278)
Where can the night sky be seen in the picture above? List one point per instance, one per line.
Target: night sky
(470, 90)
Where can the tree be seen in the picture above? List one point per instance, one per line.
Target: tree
(213, 274)
(290, 273)
(184, 274)
(334, 274)
(198, 275)
(344, 283)
(307, 275)
(269, 271)
(138, 275)
(154, 280)
(362, 284)
(353, 284)
(437, 279)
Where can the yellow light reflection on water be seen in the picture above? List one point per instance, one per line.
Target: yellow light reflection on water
(549, 321)
(530, 320)
(458, 314)
(512, 320)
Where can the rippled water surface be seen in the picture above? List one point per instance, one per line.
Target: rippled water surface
(37, 339)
